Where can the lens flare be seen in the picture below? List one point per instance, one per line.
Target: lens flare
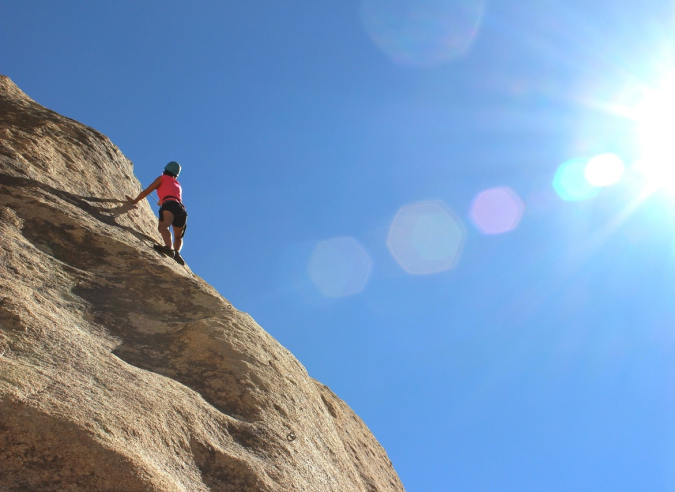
(422, 32)
(570, 181)
(496, 210)
(604, 170)
(426, 238)
(339, 267)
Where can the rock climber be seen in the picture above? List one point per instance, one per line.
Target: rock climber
(171, 212)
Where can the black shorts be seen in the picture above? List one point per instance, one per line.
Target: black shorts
(177, 209)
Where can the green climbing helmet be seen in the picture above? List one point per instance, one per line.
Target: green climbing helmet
(173, 167)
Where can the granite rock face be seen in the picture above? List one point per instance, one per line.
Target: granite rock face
(109, 381)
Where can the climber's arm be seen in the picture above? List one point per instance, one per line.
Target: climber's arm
(155, 184)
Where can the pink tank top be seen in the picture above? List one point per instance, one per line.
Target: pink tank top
(169, 189)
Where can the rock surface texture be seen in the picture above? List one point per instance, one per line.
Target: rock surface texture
(109, 380)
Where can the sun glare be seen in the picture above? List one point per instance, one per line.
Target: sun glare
(655, 117)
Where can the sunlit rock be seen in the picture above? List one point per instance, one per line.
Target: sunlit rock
(121, 370)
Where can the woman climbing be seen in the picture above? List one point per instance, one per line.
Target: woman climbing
(171, 211)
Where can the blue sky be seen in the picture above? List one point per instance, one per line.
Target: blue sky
(312, 133)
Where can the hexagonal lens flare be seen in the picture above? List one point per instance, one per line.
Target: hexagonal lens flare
(426, 238)
(496, 210)
(339, 267)
(422, 32)
(604, 170)
(570, 181)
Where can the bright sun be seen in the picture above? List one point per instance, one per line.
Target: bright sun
(655, 117)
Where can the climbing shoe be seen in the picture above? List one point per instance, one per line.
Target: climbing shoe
(163, 249)
(178, 258)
